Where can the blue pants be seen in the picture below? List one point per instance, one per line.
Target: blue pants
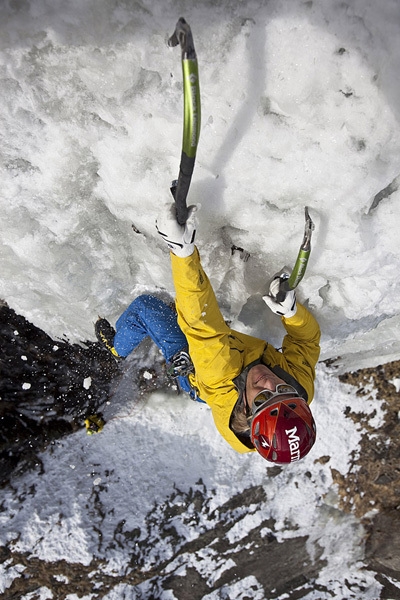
(149, 316)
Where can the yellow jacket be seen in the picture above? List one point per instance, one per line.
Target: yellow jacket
(220, 354)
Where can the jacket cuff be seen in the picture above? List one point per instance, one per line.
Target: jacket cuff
(298, 319)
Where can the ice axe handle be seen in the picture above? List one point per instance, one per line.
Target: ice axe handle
(283, 289)
(182, 211)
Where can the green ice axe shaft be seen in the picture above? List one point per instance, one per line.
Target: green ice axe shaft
(301, 263)
(191, 116)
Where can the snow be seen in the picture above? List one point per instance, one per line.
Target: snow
(300, 106)
(396, 383)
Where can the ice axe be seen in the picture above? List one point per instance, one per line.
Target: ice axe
(290, 283)
(191, 116)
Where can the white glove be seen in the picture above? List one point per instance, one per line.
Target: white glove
(288, 307)
(179, 238)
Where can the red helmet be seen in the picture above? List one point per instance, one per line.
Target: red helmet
(284, 430)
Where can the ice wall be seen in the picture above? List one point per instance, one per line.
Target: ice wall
(299, 107)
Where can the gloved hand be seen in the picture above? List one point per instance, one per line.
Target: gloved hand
(179, 238)
(288, 307)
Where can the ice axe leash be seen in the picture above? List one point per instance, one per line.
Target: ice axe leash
(191, 116)
(290, 283)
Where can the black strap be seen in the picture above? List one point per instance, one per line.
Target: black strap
(290, 380)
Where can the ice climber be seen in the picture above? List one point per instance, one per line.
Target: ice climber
(259, 396)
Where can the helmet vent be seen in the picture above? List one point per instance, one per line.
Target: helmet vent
(292, 405)
(274, 412)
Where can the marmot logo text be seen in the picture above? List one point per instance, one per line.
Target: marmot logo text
(293, 444)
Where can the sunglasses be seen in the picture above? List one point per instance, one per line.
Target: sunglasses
(266, 397)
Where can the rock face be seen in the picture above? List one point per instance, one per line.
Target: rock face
(47, 388)
(373, 483)
(374, 480)
(383, 550)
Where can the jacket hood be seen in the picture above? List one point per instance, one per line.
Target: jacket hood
(240, 380)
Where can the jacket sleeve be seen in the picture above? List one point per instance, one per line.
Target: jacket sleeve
(301, 347)
(201, 321)
(217, 351)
